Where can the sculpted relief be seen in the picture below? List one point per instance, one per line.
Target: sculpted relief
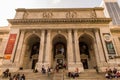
(47, 14)
(71, 14)
(61, 14)
(93, 14)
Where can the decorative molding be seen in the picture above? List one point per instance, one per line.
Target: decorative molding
(107, 37)
(62, 20)
(115, 29)
(58, 10)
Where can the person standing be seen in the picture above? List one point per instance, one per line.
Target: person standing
(23, 77)
(48, 71)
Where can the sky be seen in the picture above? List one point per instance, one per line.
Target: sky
(7, 7)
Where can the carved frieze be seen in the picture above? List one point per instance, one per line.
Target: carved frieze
(71, 14)
(93, 14)
(47, 14)
(25, 15)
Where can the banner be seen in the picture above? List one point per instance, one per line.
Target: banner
(10, 46)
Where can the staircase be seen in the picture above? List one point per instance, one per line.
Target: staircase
(89, 74)
(30, 75)
(58, 76)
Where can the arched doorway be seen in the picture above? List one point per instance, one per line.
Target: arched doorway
(59, 51)
(87, 53)
(32, 52)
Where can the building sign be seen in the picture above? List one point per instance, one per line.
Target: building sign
(10, 46)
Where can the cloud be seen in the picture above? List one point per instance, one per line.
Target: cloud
(55, 1)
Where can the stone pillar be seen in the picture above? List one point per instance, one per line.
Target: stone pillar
(100, 48)
(42, 44)
(41, 50)
(47, 60)
(76, 47)
(19, 48)
(96, 53)
(70, 53)
(100, 52)
(22, 54)
(77, 51)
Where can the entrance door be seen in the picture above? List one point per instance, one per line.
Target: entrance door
(59, 51)
(87, 53)
(85, 63)
(60, 63)
(34, 63)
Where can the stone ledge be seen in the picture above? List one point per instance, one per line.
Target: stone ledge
(61, 21)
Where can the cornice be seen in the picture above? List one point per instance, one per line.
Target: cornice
(58, 9)
(4, 29)
(115, 29)
(60, 21)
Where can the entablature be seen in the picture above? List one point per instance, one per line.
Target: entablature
(60, 21)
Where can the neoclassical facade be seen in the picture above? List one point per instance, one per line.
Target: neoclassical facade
(78, 37)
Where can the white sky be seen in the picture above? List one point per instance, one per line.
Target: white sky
(7, 7)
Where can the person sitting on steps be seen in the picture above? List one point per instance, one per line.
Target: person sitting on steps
(6, 73)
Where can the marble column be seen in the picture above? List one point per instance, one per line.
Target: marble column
(99, 45)
(42, 45)
(47, 60)
(19, 48)
(70, 54)
(41, 51)
(78, 63)
(96, 53)
(76, 47)
(22, 54)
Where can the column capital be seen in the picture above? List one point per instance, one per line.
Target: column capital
(42, 31)
(75, 30)
(70, 30)
(96, 30)
(48, 30)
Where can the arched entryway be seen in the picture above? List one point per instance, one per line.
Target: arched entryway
(31, 52)
(59, 51)
(87, 53)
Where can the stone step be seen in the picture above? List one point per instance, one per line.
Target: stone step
(58, 76)
(87, 75)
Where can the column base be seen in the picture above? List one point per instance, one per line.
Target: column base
(102, 66)
(38, 66)
(73, 66)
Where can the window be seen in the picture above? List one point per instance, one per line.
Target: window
(110, 48)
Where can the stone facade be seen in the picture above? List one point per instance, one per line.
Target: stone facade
(79, 37)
